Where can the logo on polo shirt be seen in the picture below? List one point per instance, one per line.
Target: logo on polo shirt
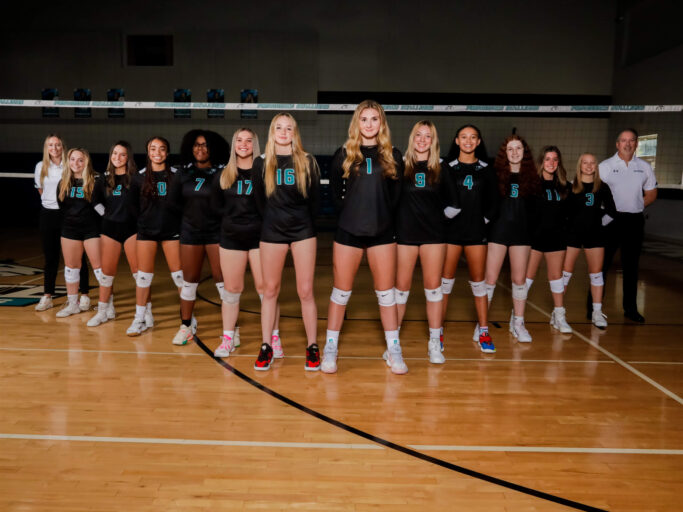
(638, 170)
(615, 170)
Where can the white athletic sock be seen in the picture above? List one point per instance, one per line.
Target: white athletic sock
(229, 334)
(597, 306)
(434, 334)
(102, 306)
(483, 329)
(72, 299)
(517, 319)
(391, 337)
(140, 312)
(332, 337)
(559, 310)
(276, 332)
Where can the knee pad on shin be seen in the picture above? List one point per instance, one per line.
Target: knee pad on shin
(106, 281)
(401, 296)
(189, 291)
(434, 295)
(231, 297)
(144, 279)
(557, 286)
(221, 288)
(479, 288)
(72, 275)
(597, 279)
(98, 274)
(519, 291)
(447, 285)
(566, 276)
(177, 278)
(490, 288)
(386, 298)
(340, 297)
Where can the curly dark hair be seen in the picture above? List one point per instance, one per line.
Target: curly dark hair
(529, 182)
(217, 146)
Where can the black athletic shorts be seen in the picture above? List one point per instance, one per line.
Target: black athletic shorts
(558, 242)
(363, 242)
(119, 231)
(509, 234)
(240, 244)
(81, 232)
(161, 237)
(587, 240)
(457, 241)
(199, 238)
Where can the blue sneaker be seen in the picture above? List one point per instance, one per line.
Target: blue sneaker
(486, 343)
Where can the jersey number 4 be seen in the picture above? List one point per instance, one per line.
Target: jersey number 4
(289, 177)
(240, 187)
(468, 182)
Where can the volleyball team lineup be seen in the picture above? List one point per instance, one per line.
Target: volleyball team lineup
(234, 206)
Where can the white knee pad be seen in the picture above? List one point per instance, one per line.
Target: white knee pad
(519, 291)
(557, 286)
(447, 285)
(106, 281)
(189, 291)
(401, 296)
(386, 298)
(566, 276)
(435, 295)
(144, 279)
(221, 288)
(340, 297)
(597, 279)
(490, 288)
(72, 275)
(260, 297)
(135, 277)
(478, 288)
(231, 297)
(98, 274)
(177, 278)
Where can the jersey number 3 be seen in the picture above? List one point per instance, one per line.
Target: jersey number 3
(590, 199)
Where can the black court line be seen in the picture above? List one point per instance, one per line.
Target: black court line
(397, 447)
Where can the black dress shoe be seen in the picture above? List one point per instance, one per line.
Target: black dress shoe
(635, 316)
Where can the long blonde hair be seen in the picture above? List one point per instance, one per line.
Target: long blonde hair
(433, 162)
(67, 175)
(46, 156)
(354, 157)
(229, 174)
(577, 186)
(303, 167)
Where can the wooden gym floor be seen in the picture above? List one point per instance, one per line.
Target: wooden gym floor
(93, 420)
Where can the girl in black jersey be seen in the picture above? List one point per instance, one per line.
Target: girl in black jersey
(420, 228)
(47, 175)
(118, 225)
(518, 186)
(549, 237)
(286, 184)
(365, 178)
(591, 206)
(201, 152)
(158, 222)
(473, 186)
(232, 198)
(81, 223)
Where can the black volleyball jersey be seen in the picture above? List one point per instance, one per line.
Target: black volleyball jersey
(287, 215)
(586, 208)
(366, 201)
(190, 196)
(474, 189)
(155, 214)
(77, 210)
(514, 216)
(116, 201)
(236, 207)
(550, 217)
(420, 218)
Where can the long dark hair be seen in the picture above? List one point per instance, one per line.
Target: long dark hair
(131, 168)
(148, 188)
(480, 152)
(560, 175)
(216, 145)
(529, 182)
